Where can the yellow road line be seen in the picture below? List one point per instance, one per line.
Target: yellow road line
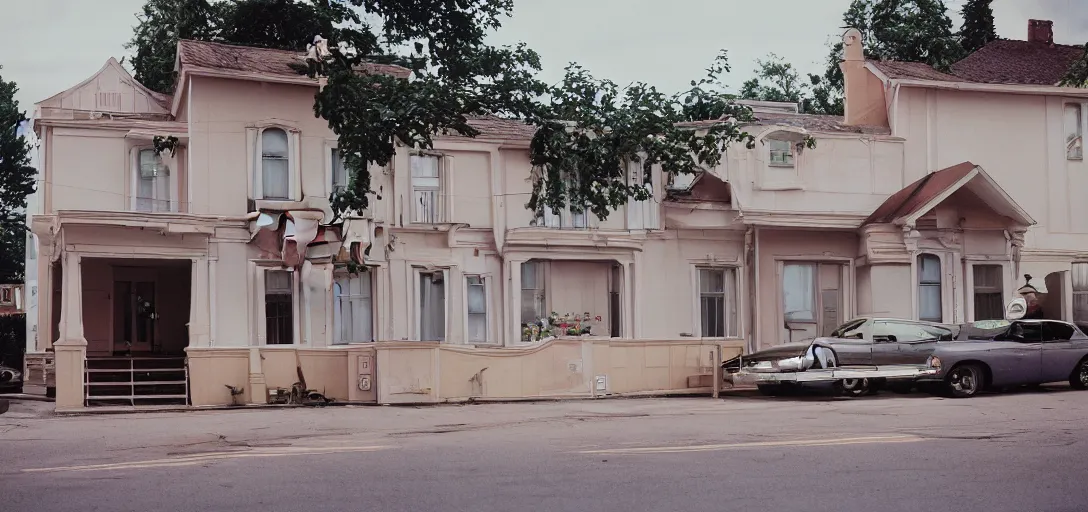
(192, 460)
(761, 444)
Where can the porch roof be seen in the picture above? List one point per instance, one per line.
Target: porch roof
(920, 197)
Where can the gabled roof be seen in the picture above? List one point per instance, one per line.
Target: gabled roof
(1008, 61)
(110, 90)
(810, 122)
(267, 61)
(1004, 61)
(920, 197)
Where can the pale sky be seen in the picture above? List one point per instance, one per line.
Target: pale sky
(51, 45)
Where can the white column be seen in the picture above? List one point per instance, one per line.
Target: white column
(628, 298)
(512, 292)
(71, 349)
(71, 316)
(637, 290)
(198, 304)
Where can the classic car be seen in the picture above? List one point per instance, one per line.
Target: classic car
(1011, 353)
(885, 351)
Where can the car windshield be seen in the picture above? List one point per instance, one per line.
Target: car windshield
(847, 330)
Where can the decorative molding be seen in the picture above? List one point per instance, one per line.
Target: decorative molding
(799, 219)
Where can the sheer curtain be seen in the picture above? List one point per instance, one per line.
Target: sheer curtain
(799, 292)
(432, 301)
(477, 309)
(275, 177)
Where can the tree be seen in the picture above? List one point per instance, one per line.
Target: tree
(780, 82)
(902, 30)
(1077, 75)
(581, 153)
(978, 25)
(155, 38)
(16, 183)
(280, 24)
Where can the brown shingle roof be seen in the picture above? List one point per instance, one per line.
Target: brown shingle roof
(257, 60)
(914, 196)
(1004, 61)
(502, 129)
(915, 70)
(1007, 61)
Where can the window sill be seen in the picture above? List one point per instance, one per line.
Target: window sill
(782, 166)
(279, 204)
(782, 186)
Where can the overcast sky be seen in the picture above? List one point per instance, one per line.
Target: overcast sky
(51, 45)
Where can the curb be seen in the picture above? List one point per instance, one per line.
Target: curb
(24, 396)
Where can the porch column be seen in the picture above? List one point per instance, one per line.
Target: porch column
(199, 335)
(71, 348)
(513, 302)
(629, 298)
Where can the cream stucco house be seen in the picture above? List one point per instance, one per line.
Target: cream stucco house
(183, 275)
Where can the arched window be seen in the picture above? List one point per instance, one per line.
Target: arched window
(929, 288)
(275, 164)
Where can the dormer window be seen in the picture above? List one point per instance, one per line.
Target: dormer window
(781, 152)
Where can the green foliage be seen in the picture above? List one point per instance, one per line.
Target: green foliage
(776, 80)
(978, 25)
(16, 183)
(595, 129)
(1077, 76)
(902, 30)
(155, 38)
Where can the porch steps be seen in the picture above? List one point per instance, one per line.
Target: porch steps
(136, 381)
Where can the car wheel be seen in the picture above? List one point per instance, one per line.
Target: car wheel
(852, 387)
(1079, 379)
(964, 381)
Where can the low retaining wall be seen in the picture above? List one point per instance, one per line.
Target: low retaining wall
(420, 372)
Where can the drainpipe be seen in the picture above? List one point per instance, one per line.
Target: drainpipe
(754, 308)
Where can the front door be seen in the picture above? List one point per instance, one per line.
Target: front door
(134, 314)
(813, 299)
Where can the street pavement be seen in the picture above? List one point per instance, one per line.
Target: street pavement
(1019, 451)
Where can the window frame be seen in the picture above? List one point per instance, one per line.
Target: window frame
(485, 283)
(790, 153)
(646, 214)
(261, 305)
(1001, 290)
(918, 285)
(255, 161)
(339, 274)
(542, 270)
(417, 272)
(440, 191)
(730, 330)
(134, 181)
(1078, 135)
(10, 292)
(1081, 293)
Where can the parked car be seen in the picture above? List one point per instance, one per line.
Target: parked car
(863, 343)
(11, 380)
(1011, 353)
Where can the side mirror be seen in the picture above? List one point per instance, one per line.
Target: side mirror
(1016, 309)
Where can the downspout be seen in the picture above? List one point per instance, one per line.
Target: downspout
(753, 338)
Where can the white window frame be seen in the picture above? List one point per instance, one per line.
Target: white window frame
(789, 151)
(441, 210)
(417, 334)
(1076, 292)
(733, 331)
(846, 283)
(542, 273)
(917, 284)
(259, 305)
(775, 176)
(134, 180)
(646, 214)
(1074, 142)
(969, 285)
(10, 292)
(254, 138)
(342, 274)
(485, 282)
(331, 169)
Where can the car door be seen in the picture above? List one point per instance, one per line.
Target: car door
(1061, 352)
(852, 343)
(1015, 356)
(917, 351)
(902, 342)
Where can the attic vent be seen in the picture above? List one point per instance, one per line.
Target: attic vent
(109, 101)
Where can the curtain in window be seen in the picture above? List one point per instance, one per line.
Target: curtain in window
(929, 288)
(152, 183)
(425, 187)
(1074, 147)
(477, 309)
(532, 292)
(339, 172)
(799, 292)
(353, 317)
(275, 177)
(432, 302)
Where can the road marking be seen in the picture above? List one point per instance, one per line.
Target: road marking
(192, 460)
(760, 444)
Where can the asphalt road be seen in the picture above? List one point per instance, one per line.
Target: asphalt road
(1021, 451)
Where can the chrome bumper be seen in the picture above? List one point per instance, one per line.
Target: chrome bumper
(744, 377)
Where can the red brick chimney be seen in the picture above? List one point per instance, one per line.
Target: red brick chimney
(1041, 31)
